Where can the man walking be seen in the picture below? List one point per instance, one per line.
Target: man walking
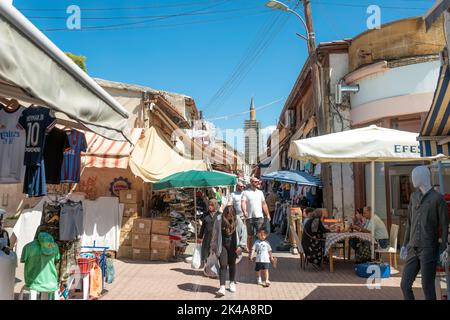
(253, 204)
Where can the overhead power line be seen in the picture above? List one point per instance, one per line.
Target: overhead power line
(164, 17)
(154, 6)
(339, 4)
(226, 117)
(253, 8)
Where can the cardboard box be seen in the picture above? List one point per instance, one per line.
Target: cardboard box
(141, 254)
(132, 210)
(160, 226)
(142, 226)
(159, 242)
(127, 223)
(130, 196)
(140, 241)
(125, 252)
(161, 255)
(125, 238)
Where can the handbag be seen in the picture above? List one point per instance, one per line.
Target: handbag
(363, 252)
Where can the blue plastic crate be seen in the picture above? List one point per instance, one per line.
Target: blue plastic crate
(365, 270)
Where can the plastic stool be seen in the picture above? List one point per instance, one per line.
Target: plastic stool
(85, 283)
(34, 294)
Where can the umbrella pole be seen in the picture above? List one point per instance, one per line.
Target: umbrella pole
(441, 177)
(195, 213)
(373, 207)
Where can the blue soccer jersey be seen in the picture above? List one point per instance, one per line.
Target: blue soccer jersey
(71, 168)
(36, 121)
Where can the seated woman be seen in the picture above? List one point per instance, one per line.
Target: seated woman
(357, 224)
(313, 238)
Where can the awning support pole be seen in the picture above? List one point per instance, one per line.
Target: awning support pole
(195, 212)
(373, 208)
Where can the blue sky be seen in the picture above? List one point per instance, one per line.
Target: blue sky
(195, 52)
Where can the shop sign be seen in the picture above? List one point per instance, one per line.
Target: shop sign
(118, 184)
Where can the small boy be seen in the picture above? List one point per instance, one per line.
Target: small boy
(263, 252)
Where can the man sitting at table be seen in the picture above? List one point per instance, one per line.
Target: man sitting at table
(380, 230)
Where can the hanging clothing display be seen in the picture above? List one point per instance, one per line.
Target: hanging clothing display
(56, 143)
(12, 146)
(40, 257)
(71, 221)
(36, 121)
(50, 220)
(71, 168)
(69, 251)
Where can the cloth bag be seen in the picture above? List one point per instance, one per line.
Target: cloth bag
(212, 266)
(197, 257)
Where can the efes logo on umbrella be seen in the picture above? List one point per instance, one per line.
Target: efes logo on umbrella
(398, 148)
(118, 184)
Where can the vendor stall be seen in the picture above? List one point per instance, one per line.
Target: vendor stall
(38, 85)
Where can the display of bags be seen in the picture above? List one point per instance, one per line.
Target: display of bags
(366, 270)
(197, 257)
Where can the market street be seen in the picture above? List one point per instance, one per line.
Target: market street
(177, 281)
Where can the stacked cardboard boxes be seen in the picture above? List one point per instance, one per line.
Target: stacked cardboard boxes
(132, 211)
(160, 245)
(141, 239)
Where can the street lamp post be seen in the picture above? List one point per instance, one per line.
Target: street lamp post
(310, 38)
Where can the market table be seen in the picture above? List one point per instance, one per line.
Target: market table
(334, 237)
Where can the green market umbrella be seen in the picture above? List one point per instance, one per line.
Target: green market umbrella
(195, 179)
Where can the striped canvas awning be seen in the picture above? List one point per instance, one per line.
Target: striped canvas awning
(104, 153)
(435, 132)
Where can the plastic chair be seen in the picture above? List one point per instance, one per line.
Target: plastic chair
(392, 250)
(33, 294)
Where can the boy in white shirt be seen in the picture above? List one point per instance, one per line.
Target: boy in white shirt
(263, 256)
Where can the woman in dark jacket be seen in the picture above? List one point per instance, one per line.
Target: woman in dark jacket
(228, 241)
(205, 235)
(313, 238)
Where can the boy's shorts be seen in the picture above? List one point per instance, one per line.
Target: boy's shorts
(262, 266)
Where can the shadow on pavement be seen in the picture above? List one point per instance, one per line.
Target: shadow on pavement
(192, 287)
(188, 272)
(355, 293)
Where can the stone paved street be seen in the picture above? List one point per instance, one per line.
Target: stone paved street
(178, 281)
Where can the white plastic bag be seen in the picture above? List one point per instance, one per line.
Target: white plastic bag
(212, 266)
(197, 257)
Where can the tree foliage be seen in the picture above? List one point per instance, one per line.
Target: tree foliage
(79, 60)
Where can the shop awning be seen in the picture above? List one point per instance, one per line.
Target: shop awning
(367, 144)
(435, 132)
(34, 70)
(105, 153)
(154, 159)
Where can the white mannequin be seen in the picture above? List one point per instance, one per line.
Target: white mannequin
(421, 178)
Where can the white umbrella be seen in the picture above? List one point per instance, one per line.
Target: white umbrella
(369, 144)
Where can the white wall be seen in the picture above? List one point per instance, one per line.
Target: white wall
(343, 199)
(397, 91)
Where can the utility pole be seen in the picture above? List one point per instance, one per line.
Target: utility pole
(315, 77)
(317, 100)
